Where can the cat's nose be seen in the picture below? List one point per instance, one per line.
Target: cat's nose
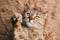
(31, 18)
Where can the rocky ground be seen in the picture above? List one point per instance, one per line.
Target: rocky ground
(52, 22)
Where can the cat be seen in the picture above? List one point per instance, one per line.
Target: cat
(35, 22)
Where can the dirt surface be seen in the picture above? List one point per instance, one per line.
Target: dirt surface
(52, 22)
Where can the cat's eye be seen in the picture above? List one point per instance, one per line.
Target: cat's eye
(28, 13)
(37, 17)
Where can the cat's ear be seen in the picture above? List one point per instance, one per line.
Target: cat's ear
(45, 15)
(26, 8)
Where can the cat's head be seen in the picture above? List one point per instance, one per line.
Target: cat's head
(34, 14)
(34, 17)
